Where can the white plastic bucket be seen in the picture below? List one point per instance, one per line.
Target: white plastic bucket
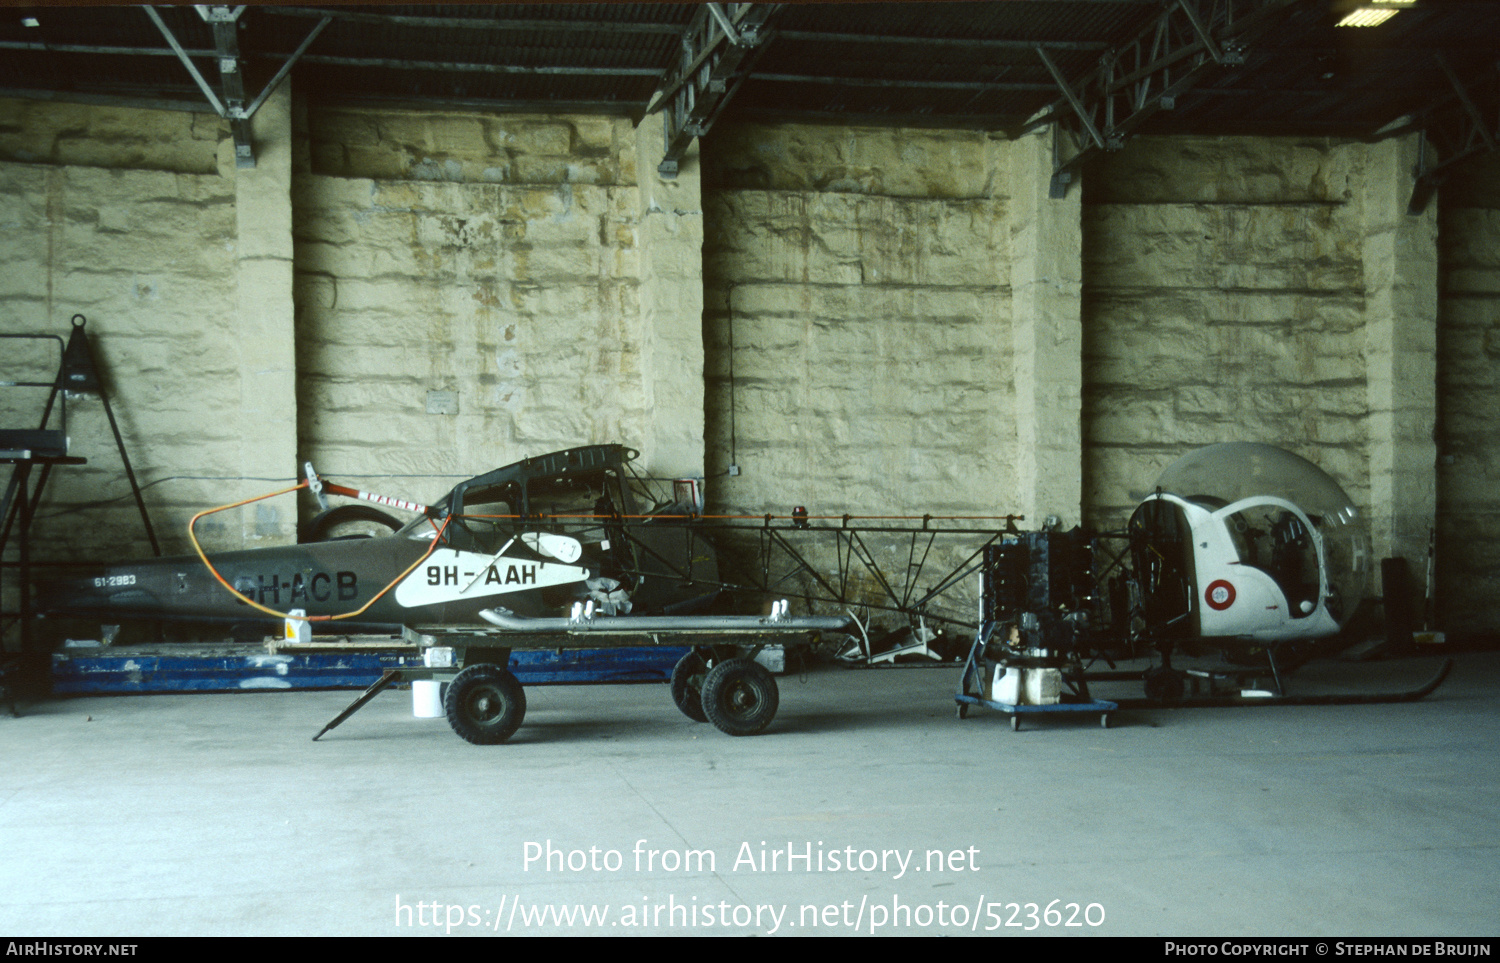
(427, 699)
(427, 694)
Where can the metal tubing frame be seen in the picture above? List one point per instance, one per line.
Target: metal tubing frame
(8, 505)
(776, 543)
(1132, 81)
(225, 23)
(718, 49)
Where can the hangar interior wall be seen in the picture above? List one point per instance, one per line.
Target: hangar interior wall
(858, 330)
(128, 218)
(474, 289)
(1223, 301)
(858, 286)
(911, 324)
(465, 291)
(1264, 290)
(1468, 469)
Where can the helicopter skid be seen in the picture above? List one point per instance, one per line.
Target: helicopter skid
(1247, 697)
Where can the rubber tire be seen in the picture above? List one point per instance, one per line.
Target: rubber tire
(485, 704)
(740, 697)
(349, 521)
(1164, 686)
(687, 686)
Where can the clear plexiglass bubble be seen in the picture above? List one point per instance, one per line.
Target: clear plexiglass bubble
(1223, 474)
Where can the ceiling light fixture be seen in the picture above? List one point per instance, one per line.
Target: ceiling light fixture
(1373, 13)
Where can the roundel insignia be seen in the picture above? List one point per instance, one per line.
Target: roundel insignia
(1219, 596)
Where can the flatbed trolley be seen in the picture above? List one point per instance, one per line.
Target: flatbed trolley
(718, 681)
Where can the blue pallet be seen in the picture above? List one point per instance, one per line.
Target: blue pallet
(93, 672)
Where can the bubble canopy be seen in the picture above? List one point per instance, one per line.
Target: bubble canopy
(1221, 475)
(1236, 470)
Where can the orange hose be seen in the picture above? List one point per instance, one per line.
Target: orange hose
(192, 536)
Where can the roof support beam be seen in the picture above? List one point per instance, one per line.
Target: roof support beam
(974, 85)
(225, 23)
(1081, 112)
(1460, 129)
(1103, 106)
(718, 49)
(390, 63)
(477, 23)
(286, 67)
(961, 43)
(186, 60)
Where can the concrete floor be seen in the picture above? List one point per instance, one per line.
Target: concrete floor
(217, 814)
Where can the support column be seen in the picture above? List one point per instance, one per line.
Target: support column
(1047, 360)
(1400, 269)
(267, 335)
(670, 242)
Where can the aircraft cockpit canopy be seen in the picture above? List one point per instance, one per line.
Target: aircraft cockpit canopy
(1284, 506)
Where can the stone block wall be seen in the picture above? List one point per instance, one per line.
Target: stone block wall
(1468, 473)
(1264, 290)
(857, 330)
(61, 134)
(124, 217)
(468, 290)
(857, 283)
(866, 321)
(1223, 301)
(467, 293)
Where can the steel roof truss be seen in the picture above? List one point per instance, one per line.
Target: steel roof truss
(1136, 79)
(225, 23)
(1462, 134)
(286, 67)
(717, 49)
(186, 60)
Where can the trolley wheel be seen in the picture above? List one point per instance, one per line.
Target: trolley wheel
(740, 697)
(1104, 720)
(963, 710)
(485, 704)
(1015, 722)
(687, 685)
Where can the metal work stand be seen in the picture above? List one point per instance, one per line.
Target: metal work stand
(974, 671)
(47, 446)
(23, 460)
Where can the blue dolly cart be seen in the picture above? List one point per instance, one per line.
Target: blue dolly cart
(971, 688)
